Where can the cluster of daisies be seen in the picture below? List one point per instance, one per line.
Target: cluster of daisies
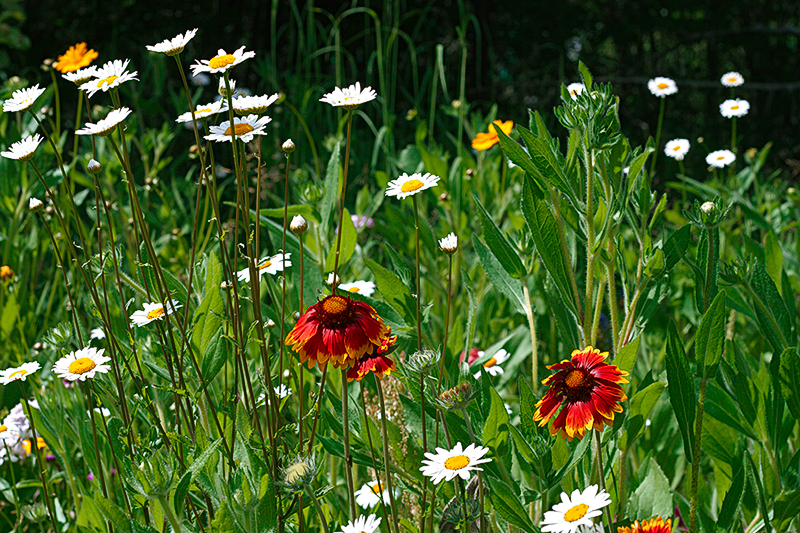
(16, 435)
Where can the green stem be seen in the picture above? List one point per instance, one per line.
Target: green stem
(372, 453)
(564, 248)
(698, 432)
(170, 514)
(532, 326)
(612, 294)
(419, 287)
(467, 421)
(348, 459)
(658, 134)
(602, 476)
(58, 103)
(341, 202)
(35, 446)
(587, 314)
(77, 125)
(317, 506)
(386, 455)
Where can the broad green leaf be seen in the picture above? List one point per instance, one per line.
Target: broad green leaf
(527, 406)
(515, 153)
(641, 406)
(721, 406)
(653, 497)
(395, 292)
(773, 259)
(186, 480)
(495, 430)
(787, 506)
(545, 235)
(790, 377)
(509, 286)
(523, 446)
(758, 488)
(507, 505)
(566, 322)
(349, 236)
(626, 358)
(332, 181)
(114, 514)
(215, 355)
(710, 338)
(733, 498)
(208, 315)
(577, 455)
(770, 309)
(499, 245)
(267, 508)
(719, 440)
(681, 388)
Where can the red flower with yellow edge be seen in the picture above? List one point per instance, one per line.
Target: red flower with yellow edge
(586, 389)
(339, 330)
(377, 362)
(654, 525)
(484, 141)
(75, 58)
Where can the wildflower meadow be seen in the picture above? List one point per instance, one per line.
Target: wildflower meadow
(236, 309)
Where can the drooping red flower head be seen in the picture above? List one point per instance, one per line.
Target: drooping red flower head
(377, 362)
(587, 390)
(339, 330)
(474, 355)
(654, 525)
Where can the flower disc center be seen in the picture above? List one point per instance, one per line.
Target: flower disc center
(576, 513)
(677, 148)
(377, 488)
(19, 373)
(5, 428)
(353, 289)
(735, 107)
(156, 313)
(662, 85)
(411, 186)
(490, 363)
(457, 462)
(107, 81)
(221, 61)
(334, 305)
(240, 129)
(82, 365)
(264, 265)
(575, 379)
(720, 157)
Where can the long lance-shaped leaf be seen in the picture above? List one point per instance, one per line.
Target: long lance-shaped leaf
(710, 340)
(499, 245)
(681, 388)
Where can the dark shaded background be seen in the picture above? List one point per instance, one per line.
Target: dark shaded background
(519, 53)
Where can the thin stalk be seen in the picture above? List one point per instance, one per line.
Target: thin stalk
(372, 454)
(484, 524)
(35, 446)
(348, 459)
(170, 514)
(460, 484)
(58, 102)
(419, 287)
(564, 248)
(532, 326)
(317, 408)
(698, 432)
(14, 486)
(658, 134)
(602, 476)
(612, 294)
(317, 506)
(94, 440)
(302, 367)
(422, 374)
(77, 125)
(341, 202)
(283, 251)
(587, 313)
(386, 456)
(597, 309)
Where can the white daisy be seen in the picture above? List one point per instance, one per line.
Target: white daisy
(662, 87)
(371, 494)
(8, 431)
(350, 97)
(173, 47)
(22, 99)
(268, 265)
(574, 89)
(449, 244)
(406, 185)
(732, 79)
(677, 148)
(492, 366)
(253, 104)
(153, 311)
(329, 279)
(109, 76)
(281, 392)
(447, 464)
(222, 88)
(23, 150)
(365, 288)
(245, 129)
(222, 62)
(82, 364)
(19, 373)
(734, 108)
(81, 76)
(34, 204)
(105, 127)
(362, 524)
(203, 111)
(97, 333)
(720, 158)
(575, 511)
(105, 413)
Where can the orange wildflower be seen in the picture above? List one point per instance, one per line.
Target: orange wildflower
(484, 141)
(75, 58)
(654, 525)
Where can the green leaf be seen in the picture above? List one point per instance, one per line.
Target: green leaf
(626, 358)
(499, 245)
(733, 498)
(186, 480)
(515, 153)
(306, 211)
(566, 322)
(215, 355)
(527, 406)
(394, 291)
(267, 509)
(208, 315)
(710, 338)
(641, 406)
(577, 455)
(787, 506)
(507, 505)
(549, 164)
(773, 259)
(509, 286)
(349, 237)
(681, 388)
(332, 175)
(495, 430)
(790, 377)
(113, 513)
(653, 497)
(545, 235)
(770, 309)
(586, 75)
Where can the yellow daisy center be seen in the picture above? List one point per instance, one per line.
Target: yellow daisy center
(82, 365)
(677, 148)
(457, 462)
(490, 363)
(576, 513)
(720, 157)
(735, 107)
(574, 379)
(733, 79)
(411, 186)
(26, 445)
(662, 85)
(204, 110)
(158, 312)
(240, 129)
(18, 374)
(296, 471)
(377, 488)
(221, 61)
(334, 305)
(3, 428)
(264, 265)
(353, 289)
(107, 81)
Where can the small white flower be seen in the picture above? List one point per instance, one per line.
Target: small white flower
(106, 126)
(153, 311)
(677, 148)
(574, 89)
(732, 79)
(280, 392)
(222, 87)
(22, 99)
(97, 333)
(447, 464)
(102, 411)
(19, 373)
(575, 511)
(23, 150)
(449, 244)
(253, 104)
(406, 185)
(350, 97)
(34, 204)
(298, 225)
(329, 279)
(662, 87)
(268, 265)
(109, 76)
(81, 76)
(734, 108)
(508, 408)
(82, 364)
(173, 46)
(362, 525)
(245, 129)
(203, 111)
(720, 158)
(708, 207)
(371, 494)
(492, 366)
(365, 288)
(222, 62)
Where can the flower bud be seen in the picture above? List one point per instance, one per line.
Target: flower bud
(35, 204)
(94, 167)
(288, 146)
(298, 225)
(223, 89)
(449, 244)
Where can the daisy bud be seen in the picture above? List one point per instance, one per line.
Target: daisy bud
(298, 473)
(449, 244)
(791, 192)
(35, 204)
(94, 167)
(223, 89)
(288, 146)
(456, 398)
(298, 225)
(329, 280)
(708, 208)
(270, 323)
(422, 361)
